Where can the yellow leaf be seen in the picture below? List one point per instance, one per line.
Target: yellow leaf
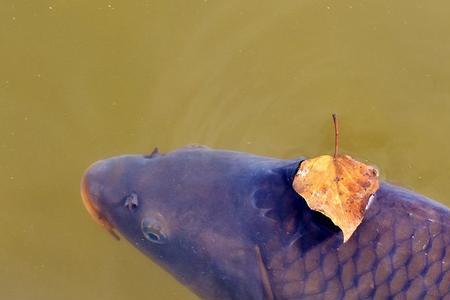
(337, 186)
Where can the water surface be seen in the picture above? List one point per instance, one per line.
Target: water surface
(82, 80)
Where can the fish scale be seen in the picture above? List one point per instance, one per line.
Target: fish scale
(400, 250)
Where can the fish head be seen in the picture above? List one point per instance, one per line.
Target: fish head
(180, 210)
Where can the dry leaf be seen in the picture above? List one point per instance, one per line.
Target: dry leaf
(337, 186)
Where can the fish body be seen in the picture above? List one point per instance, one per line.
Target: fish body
(230, 226)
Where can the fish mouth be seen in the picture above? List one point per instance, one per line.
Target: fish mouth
(95, 213)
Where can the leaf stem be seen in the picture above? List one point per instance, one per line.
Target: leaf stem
(336, 136)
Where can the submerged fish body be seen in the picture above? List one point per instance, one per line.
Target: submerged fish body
(230, 226)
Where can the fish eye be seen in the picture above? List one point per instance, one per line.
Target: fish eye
(153, 231)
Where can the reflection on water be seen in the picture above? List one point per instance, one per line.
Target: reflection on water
(84, 80)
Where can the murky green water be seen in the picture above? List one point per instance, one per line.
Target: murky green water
(83, 80)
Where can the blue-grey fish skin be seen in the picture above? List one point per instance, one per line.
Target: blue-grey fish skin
(230, 226)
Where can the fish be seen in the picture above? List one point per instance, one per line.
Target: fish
(229, 225)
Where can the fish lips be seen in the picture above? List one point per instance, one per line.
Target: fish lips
(90, 193)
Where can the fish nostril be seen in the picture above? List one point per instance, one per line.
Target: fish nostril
(131, 202)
